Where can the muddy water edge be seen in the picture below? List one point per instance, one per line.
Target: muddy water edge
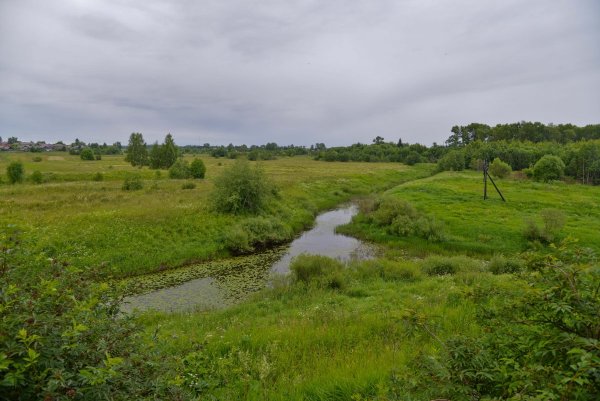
(222, 283)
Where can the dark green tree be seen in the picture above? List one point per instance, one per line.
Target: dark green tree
(137, 154)
(87, 154)
(169, 152)
(155, 159)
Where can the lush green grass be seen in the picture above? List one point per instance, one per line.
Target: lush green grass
(304, 341)
(477, 227)
(97, 224)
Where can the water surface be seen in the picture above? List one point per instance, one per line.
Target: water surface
(222, 283)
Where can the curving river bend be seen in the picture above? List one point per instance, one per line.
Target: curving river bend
(236, 279)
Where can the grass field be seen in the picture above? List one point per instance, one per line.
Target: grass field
(478, 227)
(413, 324)
(97, 224)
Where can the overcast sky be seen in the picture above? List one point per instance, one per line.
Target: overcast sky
(293, 71)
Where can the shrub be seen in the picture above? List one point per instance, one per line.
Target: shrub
(37, 159)
(36, 177)
(180, 170)
(98, 177)
(87, 154)
(61, 333)
(502, 265)
(241, 189)
(413, 158)
(528, 171)
(254, 233)
(15, 172)
(452, 161)
(549, 168)
(388, 270)
(500, 169)
(188, 185)
(197, 168)
(133, 182)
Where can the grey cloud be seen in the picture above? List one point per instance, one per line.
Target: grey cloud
(300, 72)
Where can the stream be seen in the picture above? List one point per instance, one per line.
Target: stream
(219, 284)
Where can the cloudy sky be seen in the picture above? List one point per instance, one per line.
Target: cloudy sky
(293, 71)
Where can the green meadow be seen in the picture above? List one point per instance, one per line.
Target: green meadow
(461, 304)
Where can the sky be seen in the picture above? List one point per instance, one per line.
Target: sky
(294, 71)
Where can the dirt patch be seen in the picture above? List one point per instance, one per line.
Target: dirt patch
(55, 158)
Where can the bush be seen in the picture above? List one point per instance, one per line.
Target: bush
(98, 177)
(388, 270)
(255, 233)
(87, 154)
(133, 182)
(98, 157)
(15, 172)
(553, 221)
(180, 170)
(549, 168)
(500, 169)
(502, 265)
(402, 219)
(452, 161)
(197, 168)
(413, 158)
(241, 189)
(37, 159)
(188, 185)
(528, 171)
(62, 335)
(36, 177)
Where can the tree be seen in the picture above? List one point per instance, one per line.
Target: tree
(15, 172)
(169, 152)
(549, 168)
(378, 140)
(87, 154)
(197, 168)
(12, 140)
(155, 159)
(137, 154)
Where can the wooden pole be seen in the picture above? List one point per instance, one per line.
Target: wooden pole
(497, 190)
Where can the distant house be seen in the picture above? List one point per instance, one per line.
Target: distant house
(4, 146)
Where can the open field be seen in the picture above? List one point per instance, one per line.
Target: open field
(477, 227)
(97, 224)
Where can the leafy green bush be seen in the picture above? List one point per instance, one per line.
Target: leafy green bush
(36, 177)
(15, 172)
(500, 169)
(180, 170)
(133, 182)
(502, 265)
(241, 189)
(452, 161)
(87, 154)
(197, 168)
(413, 158)
(538, 344)
(37, 159)
(62, 336)
(549, 168)
(188, 185)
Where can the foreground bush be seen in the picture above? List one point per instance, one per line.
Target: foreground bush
(241, 189)
(61, 334)
(318, 270)
(197, 168)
